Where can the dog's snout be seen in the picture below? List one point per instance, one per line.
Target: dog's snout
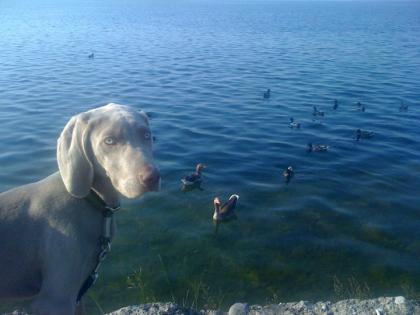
(151, 177)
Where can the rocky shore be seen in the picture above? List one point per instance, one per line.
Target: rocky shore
(380, 306)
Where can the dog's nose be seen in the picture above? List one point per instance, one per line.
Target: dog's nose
(151, 177)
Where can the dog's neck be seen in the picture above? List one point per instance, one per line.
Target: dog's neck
(104, 188)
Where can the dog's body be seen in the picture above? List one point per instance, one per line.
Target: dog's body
(46, 251)
(49, 232)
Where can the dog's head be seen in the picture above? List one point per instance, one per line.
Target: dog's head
(113, 142)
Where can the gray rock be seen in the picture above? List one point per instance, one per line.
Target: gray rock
(154, 309)
(384, 305)
(211, 312)
(380, 306)
(379, 311)
(239, 309)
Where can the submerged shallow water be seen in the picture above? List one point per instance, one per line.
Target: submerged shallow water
(347, 224)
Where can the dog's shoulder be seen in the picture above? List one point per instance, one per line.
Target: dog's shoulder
(34, 196)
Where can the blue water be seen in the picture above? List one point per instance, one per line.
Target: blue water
(350, 215)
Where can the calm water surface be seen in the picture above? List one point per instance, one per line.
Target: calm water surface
(200, 67)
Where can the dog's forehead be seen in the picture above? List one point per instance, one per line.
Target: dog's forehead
(119, 115)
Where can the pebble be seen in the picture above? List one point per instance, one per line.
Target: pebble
(239, 309)
(399, 300)
(379, 311)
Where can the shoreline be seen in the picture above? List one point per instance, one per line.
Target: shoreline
(397, 305)
(380, 306)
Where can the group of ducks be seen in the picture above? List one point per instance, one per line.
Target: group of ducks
(360, 134)
(226, 211)
(223, 212)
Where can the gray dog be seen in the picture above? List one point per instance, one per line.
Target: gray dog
(54, 232)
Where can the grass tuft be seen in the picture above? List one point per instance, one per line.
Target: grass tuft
(351, 288)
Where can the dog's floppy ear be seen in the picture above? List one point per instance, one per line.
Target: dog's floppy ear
(75, 167)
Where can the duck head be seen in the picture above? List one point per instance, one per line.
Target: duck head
(216, 203)
(199, 168)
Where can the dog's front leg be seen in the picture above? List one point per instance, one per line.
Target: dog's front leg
(59, 287)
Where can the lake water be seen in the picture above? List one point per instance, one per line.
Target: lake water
(347, 224)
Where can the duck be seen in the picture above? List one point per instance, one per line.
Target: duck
(403, 107)
(360, 107)
(288, 174)
(194, 178)
(364, 134)
(317, 112)
(91, 56)
(267, 93)
(317, 147)
(294, 124)
(335, 105)
(227, 211)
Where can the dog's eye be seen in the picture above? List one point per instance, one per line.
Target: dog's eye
(109, 141)
(147, 135)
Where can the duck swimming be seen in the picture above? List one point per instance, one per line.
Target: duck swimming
(317, 147)
(288, 174)
(335, 105)
(364, 134)
(91, 56)
(267, 93)
(227, 211)
(294, 124)
(360, 106)
(194, 179)
(317, 112)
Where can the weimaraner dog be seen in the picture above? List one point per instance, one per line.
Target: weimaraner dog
(50, 230)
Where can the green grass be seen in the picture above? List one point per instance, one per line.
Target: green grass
(192, 293)
(351, 288)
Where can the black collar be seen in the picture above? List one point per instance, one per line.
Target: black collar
(95, 200)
